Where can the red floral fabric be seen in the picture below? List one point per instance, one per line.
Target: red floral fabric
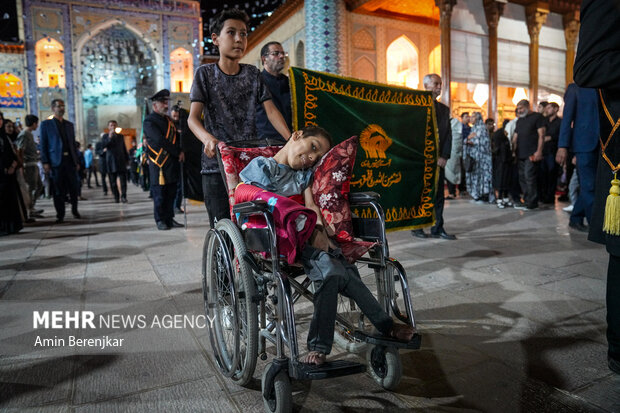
(330, 187)
(330, 191)
(235, 159)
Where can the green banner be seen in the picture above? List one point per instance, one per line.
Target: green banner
(397, 157)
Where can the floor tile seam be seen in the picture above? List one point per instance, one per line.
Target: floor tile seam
(548, 283)
(598, 307)
(578, 398)
(137, 392)
(8, 285)
(492, 358)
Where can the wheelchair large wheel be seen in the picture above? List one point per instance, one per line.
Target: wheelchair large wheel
(386, 366)
(229, 289)
(353, 320)
(281, 398)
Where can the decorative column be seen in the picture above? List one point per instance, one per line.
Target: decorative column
(536, 16)
(493, 9)
(445, 10)
(325, 33)
(571, 33)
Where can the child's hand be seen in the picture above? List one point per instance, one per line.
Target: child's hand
(210, 146)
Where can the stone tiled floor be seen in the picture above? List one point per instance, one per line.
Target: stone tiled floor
(512, 317)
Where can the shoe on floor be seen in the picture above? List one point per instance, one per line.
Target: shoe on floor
(175, 224)
(76, 215)
(124, 200)
(59, 220)
(161, 225)
(578, 226)
(444, 235)
(520, 206)
(179, 211)
(36, 211)
(568, 209)
(419, 233)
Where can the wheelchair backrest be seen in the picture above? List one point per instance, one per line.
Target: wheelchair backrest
(233, 157)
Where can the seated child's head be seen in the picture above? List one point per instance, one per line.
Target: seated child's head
(305, 147)
(229, 32)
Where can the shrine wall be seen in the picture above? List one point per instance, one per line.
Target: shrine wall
(103, 60)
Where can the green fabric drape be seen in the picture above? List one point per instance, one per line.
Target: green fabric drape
(397, 157)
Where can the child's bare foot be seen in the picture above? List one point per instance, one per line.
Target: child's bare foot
(402, 332)
(314, 357)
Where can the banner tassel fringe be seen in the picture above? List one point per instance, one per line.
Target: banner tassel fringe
(611, 223)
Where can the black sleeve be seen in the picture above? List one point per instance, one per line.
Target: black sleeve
(541, 122)
(263, 91)
(445, 131)
(198, 92)
(598, 55)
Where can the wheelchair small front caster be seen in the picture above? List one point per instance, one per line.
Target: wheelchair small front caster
(386, 367)
(280, 399)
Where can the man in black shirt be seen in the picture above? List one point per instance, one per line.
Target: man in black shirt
(273, 58)
(117, 160)
(548, 174)
(528, 142)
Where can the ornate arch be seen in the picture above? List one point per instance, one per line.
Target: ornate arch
(403, 64)
(364, 68)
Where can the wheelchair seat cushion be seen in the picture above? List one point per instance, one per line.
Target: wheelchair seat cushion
(294, 223)
(234, 159)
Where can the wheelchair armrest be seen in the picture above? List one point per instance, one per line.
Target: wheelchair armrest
(250, 207)
(363, 197)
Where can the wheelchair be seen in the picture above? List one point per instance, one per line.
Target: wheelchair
(250, 299)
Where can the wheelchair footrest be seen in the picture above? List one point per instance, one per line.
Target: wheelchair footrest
(379, 340)
(327, 370)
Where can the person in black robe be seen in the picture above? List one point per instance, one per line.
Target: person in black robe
(596, 66)
(11, 219)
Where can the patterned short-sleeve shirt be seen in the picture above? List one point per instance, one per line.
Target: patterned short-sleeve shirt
(230, 103)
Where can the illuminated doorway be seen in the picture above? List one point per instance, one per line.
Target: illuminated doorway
(402, 63)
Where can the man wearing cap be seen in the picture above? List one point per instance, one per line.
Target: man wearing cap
(164, 154)
(60, 159)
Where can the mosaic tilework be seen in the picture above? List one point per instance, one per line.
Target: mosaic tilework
(325, 29)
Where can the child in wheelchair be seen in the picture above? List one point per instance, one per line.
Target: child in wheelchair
(289, 173)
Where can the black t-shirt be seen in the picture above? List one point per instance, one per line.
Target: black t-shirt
(553, 130)
(229, 104)
(527, 134)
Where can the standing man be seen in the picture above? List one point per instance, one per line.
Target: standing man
(528, 143)
(29, 154)
(432, 82)
(116, 161)
(101, 152)
(596, 66)
(548, 179)
(579, 133)
(60, 159)
(273, 58)
(164, 154)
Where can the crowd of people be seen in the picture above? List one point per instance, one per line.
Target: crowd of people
(522, 164)
(530, 159)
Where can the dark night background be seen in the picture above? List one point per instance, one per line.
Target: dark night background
(258, 10)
